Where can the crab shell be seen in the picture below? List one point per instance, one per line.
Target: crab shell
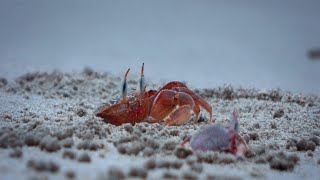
(135, 106)
(212, 138)
(218, 138)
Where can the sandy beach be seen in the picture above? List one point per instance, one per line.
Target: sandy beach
(48, 130)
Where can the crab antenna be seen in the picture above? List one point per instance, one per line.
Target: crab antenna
(142, 80)
(235, 121)
(124, 87)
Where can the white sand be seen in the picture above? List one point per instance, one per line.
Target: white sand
(58, 107)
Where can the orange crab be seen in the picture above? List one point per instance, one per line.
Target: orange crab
(173, 104)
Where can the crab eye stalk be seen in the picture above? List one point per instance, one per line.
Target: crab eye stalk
(235, 122)
(124, 87)
(142, 80)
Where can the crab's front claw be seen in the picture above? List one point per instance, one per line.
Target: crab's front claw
(175, 108)
(199, 101)
(179, 116)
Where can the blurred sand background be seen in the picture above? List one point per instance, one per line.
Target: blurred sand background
(206, 43)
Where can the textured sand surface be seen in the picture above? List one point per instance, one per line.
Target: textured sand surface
(48, 131)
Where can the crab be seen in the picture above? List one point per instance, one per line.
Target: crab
(218, 138)
(173, 104)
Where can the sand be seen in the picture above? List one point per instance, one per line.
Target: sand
(48, 131)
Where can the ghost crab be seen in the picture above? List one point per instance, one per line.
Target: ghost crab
(217, 138)
(173, 104)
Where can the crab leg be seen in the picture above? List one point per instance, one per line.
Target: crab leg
(186, 140)
(242, 149)
(198, 100)
(196, 111)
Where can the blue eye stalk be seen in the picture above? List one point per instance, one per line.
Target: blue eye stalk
(235, 122)
(142, 80)
(124, 87)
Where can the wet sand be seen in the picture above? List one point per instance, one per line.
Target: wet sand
(48, 131)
